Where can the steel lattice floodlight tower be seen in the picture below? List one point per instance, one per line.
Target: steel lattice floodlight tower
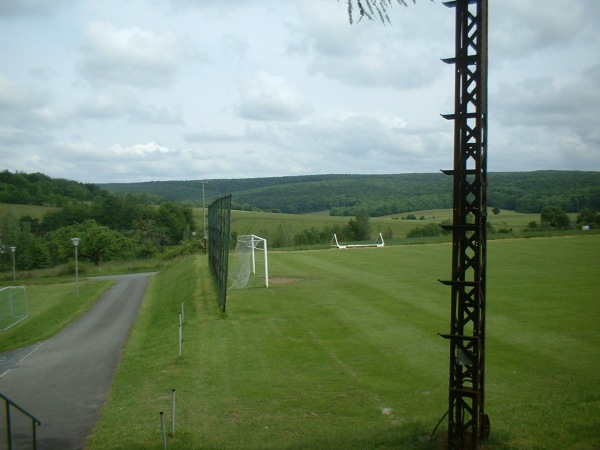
(467, 421)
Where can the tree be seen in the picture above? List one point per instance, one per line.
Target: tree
(555, 217)
(98, 243)
(103, 244)
(588, 217)
(177, 220)
(359, 228)
(282, 237)
(428, 230)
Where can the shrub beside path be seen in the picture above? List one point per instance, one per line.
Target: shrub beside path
(64, 380)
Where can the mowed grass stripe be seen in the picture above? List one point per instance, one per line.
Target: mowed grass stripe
(348, 328)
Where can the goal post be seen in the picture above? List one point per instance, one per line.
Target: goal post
(250, 266)
(13, 306)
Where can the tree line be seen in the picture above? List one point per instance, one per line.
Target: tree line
(110, 228)
(342, 195)
(39, 189)
(143, 224)
(380, 195)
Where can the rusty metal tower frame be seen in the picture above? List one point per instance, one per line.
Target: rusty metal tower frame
(467, 422)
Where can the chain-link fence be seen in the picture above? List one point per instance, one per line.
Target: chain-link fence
(219, 218)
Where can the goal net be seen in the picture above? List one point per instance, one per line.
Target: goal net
(250, 267)
(13, 306)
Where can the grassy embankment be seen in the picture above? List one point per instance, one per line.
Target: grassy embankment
(346, 356)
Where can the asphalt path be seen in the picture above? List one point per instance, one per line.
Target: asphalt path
(64, 380)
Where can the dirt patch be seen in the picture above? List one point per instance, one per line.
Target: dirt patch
(283, 280)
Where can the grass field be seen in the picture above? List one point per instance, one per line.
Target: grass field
(34, 211)
(256, 222)
(342, 352)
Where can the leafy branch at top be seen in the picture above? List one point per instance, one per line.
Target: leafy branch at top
(372, 9)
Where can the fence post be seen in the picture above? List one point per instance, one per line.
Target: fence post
(173, 414)
(8, 426)
(162, 427)
(180, 339)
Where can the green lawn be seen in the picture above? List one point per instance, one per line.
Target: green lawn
(341, 351)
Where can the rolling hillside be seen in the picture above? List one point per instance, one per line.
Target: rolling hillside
(380, 195)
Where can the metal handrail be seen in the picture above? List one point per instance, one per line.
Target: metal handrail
(8, 402)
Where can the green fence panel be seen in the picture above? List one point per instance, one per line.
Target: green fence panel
(219, 219)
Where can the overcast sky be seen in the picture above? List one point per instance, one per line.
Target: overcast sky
(140, 90)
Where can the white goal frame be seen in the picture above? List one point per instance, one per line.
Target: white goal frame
(253, 243)
(378, 243)
(13, 306)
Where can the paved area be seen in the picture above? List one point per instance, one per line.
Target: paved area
(64, 380)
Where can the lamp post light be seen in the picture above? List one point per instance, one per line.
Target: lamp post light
(75, 242)
(12, 249)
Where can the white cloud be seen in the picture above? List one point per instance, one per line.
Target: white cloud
(19, 138)
(520, 27)
(115, 104)
(13, 95)
(130, 56)
(272, 98)
(26, 108)
(367, 54)
(554, 102)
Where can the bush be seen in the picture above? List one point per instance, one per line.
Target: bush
(189, 247)
(428, 230)
(555, 217)
(69, 268)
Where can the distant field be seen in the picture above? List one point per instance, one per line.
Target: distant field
(36, 212)
(342, 352)
(253, 222)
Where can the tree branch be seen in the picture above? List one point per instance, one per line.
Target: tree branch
(372, 9)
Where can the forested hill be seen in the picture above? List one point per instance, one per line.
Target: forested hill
(382, 194)
(39, 189)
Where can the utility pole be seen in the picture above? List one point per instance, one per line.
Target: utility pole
(203, 211)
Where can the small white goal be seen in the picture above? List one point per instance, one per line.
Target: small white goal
(378, 243)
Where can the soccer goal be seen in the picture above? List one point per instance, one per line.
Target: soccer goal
(250, 267)
(13, 306)
(378, 243)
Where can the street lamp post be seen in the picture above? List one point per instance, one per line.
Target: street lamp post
(75, 242)
(12, 249)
